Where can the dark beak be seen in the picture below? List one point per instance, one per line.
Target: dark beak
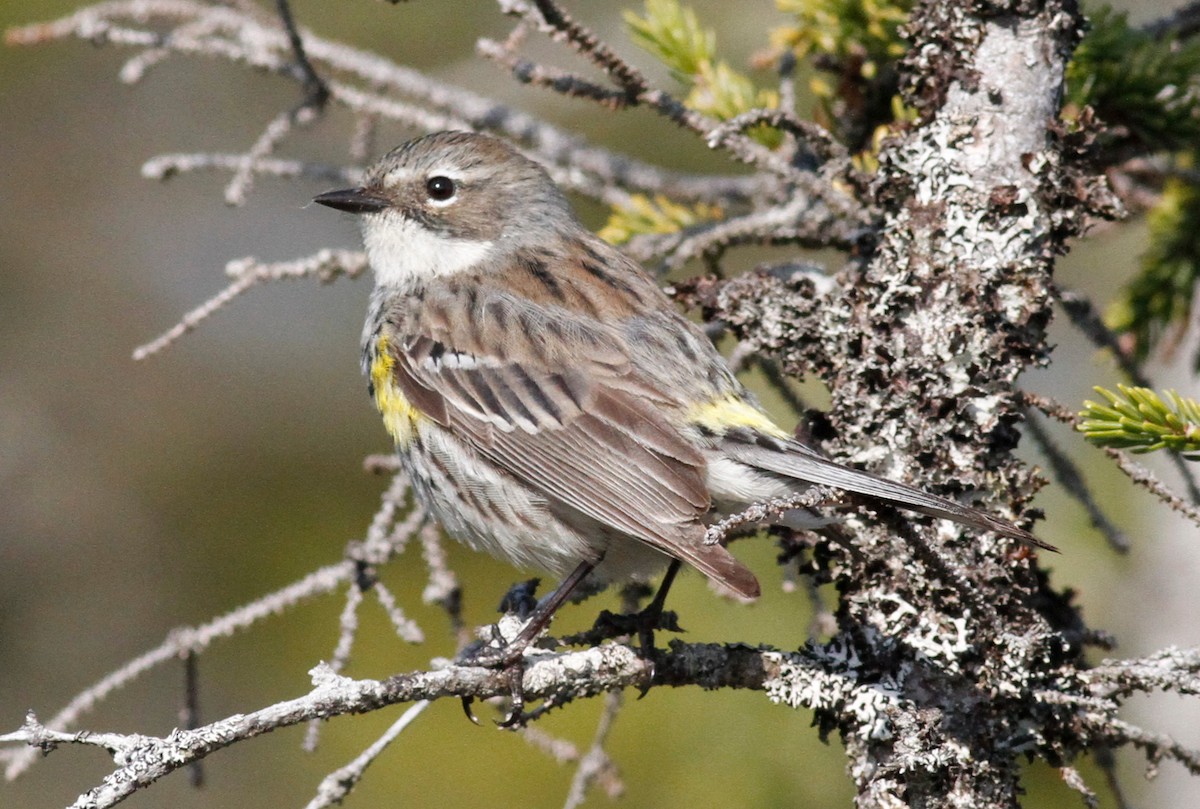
(354, 200)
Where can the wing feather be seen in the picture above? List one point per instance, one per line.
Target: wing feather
(585, 438)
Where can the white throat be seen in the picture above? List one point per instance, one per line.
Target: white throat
(402, 252)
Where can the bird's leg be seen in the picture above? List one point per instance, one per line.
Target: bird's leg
(641, 624)
(511, 656)
(540, 618)
(653, 617)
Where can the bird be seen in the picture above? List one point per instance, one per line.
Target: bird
(549, 403)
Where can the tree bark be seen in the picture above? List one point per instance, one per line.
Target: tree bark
(935, 328)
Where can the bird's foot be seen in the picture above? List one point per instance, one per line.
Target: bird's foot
(507, 657)
(641, 625)
(504, 650)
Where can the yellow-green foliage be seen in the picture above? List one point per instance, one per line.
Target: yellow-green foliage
(673, 34)
(642, 215)
(862, 33)
(1139, 420)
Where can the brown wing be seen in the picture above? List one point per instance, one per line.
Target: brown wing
(588, 437)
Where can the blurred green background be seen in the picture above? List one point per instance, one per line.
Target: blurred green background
(137, 497)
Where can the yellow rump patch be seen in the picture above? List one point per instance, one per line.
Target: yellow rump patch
(731, 411)
(399, 415)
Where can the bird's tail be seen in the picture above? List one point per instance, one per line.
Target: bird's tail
(794, 460)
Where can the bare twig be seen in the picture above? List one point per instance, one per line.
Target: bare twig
(1107, 762)
(1149, 481)
(347, 629)
(815, 136)
(1072, 778)
(561, 750)
(560, 81)
(584, 41)
(1155, 745)
(316, 93)
(143, 760)
(164, 167)
(548, 17)
(318, 582)
(1170, 669)
(335, 787)
(1083, 315)
(278, 129)
(247, 273)
(595, 767)
(189, 714)
(758, 512)
(441, 585)
(798, 221)
(194, 640)
(1071, 479)
(249, 39)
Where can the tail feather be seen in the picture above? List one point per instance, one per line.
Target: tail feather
(719, 565)
(797, 461)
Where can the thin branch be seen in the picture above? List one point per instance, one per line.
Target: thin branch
(596, 767)
(1107, 762)
(1155, 745)
(813, 135)
(316, 93)
(780, 383)
(278, 129)
(561, 750)
(1072, 778)
(143, 760)
(259, 44)
(787, 81)
(799, 221)
(585, 42)
(1083, 314)
(1149, 481)
(1171, 669)
(347, 629)
(1134, 471)
(326, 266)
(189, 713)
(759, 512)
(406, 628)
(164, 167)
(362, 141)
(548, 17)
(194, 640)
(441, 586)
(319, 582)
(1071, 479)
(560, 81)
(335, 787)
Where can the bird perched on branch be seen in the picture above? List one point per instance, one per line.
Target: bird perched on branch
(548, 402)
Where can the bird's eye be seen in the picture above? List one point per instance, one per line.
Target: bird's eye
(440, 189)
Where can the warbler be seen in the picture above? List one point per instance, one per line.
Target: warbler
(549, 403)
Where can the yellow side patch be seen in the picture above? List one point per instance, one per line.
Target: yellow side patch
(720, 415)
(399, 416)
